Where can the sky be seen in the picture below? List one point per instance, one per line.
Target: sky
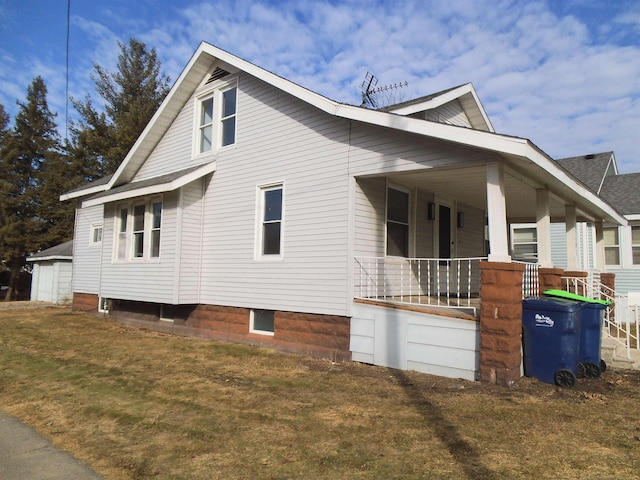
(563, 73)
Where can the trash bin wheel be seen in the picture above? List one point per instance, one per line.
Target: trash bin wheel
(564, 378)
(603, 366)
(580, 372)
(591, 370)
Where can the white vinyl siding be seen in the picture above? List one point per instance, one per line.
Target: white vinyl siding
(280, 139)
(450, 113)
(150, 281)
(369, 212)
(87, 256)
(189, 255)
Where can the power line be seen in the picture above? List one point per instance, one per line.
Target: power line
(66, 93)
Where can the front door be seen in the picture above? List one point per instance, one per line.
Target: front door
(444, 231)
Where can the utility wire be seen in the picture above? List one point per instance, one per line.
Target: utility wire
(66, 95)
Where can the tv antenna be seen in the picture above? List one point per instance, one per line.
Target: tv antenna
(371, 92)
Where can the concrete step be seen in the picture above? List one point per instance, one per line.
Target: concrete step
(615, 355)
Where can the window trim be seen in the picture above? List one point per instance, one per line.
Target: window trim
(95, 227)
(512, 241)
(634, 245)
(128, 235)
(616, 246)
(260, 222)
(214, 92)
(252, 328)
(409, 222)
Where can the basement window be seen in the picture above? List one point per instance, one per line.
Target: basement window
(262, 322)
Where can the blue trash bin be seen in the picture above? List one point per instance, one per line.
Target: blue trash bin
(551, 339)
(590, 363)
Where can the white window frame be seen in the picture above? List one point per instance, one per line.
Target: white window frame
(214, 92)
(408, 224)
(523, 226)
(260, 221)
(103, 305)
(252, 328)
(612, 246)
(634, 245)
(124, 239)
(96, 231)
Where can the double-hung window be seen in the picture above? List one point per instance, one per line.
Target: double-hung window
(524, 242)
(216, 118)
(271, 217)
(138, 227)
(397, 223)
(96, 234)
(611, 245)
(635, 244)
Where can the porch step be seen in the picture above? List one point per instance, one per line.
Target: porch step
(615, 355)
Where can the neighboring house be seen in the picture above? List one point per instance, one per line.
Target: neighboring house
(52, 271)
(252, 209)
(599, 172)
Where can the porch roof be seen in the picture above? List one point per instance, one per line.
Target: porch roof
(160, 184)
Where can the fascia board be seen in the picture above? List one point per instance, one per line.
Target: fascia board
(433, 102)
(179, 94)
(83, 193)
(153, 189)
(52, 257)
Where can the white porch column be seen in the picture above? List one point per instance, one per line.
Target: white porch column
(572, 237)
(497, 213)
(543, 228)
(600, 261)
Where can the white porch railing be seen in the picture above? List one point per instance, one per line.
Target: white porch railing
(437, 282)
(621, 320)
(530, 280)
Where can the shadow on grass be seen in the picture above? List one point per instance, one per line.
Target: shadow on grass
(464, 454)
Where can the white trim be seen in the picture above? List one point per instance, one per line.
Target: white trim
(261, 332)
(45, 259)
(259, 231)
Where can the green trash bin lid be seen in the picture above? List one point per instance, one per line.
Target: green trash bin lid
(575, 296)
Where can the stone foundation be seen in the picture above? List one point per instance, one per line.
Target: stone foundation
(85, 302)
(323, 336)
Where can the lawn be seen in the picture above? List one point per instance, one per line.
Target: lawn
(136, 404)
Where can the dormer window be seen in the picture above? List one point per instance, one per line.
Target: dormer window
(216, 118)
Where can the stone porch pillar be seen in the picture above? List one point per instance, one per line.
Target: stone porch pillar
(501, 322)
(550, 279)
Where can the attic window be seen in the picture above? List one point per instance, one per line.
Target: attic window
(217, 74)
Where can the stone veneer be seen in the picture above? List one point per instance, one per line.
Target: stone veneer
(501, 322)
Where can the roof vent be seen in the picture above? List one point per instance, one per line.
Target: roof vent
(217, 74)
(590, 156)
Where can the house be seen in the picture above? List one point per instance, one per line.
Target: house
(254, 210)
(599, 172)
(52, 272)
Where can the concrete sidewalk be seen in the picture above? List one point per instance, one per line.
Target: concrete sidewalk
(25, 455)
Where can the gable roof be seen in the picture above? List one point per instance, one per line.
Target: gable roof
(519, 153)
(591, 169)
(623, 192)
(465, 94)
(96, 186)
(63, 251)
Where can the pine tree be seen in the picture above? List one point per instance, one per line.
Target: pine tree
(31, 147)
(131, 95)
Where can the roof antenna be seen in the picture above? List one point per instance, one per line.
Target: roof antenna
(371, 93)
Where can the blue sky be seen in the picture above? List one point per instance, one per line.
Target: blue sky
(563, 73)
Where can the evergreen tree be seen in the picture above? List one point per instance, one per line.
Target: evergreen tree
(131, 95)
(31, 147)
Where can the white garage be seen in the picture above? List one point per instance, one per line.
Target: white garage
(51, 277)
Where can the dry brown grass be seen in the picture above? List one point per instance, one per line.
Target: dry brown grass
(137, 404)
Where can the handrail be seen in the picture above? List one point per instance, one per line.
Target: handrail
(438, 282)
(621, 320)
